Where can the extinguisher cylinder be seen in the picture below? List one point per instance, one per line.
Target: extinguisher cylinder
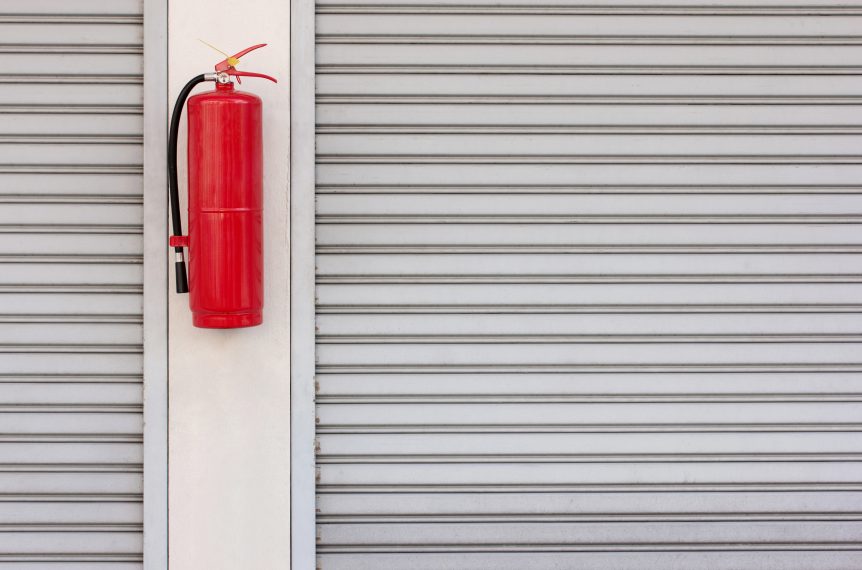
(225, 154)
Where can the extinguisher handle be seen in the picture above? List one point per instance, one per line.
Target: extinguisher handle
(239, 74)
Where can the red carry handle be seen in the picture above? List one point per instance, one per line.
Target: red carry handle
(239, 74)
(228, 65)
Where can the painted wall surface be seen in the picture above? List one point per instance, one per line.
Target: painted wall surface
(229, 390)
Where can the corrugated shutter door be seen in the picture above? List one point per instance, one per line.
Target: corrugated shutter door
(589, 285)
(70, 284)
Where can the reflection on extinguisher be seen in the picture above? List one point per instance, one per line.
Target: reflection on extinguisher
(225, 206)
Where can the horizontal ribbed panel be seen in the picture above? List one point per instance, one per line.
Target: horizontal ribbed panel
(71, 422)
(588, 287)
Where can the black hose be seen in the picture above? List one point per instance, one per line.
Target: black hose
(173, 188)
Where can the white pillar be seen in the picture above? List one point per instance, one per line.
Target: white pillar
(229, 390)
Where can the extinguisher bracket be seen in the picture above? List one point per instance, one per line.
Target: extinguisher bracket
(178, 241)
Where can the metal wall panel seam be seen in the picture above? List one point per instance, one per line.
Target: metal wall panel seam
(71, 318)
(591, 517)
(303, 473)
(87, 229)
(73, 468)
(586, 398)
(653, 338)
(117, 289)
(329, 279)
(72, 109)
(106, 199)
(588, 10)
(88, 408)
(71, 378)
(557, 308)
(72, 139)
(439, 458)
(477, 69)
(72, 19)
(114, 527)
(756, 189)
(586, 159)
(622, 429)
(70, 349)
(504, 99)
(72, 258)
(70, 438)
(622, 488)
(71, 558)
(155, 286)
(569, 547)
(581, 249)
(431, 129)
(586, 218)
(72, 48)
(131, 169)
(81, 79)
(510, 39)
(582, 368)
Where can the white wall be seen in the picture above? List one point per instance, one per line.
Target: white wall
(229, 390)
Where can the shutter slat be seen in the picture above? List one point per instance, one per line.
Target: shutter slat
(587, 286)
(70, 303)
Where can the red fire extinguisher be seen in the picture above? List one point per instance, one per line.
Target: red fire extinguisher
(225, 206)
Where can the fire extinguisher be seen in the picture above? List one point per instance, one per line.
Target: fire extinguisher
(225, 200)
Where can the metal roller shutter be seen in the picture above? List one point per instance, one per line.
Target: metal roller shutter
(589, 285)
(70, 284)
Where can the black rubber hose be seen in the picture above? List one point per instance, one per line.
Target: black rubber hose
(173, 188)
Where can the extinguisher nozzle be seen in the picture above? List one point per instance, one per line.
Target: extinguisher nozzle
(182, 277)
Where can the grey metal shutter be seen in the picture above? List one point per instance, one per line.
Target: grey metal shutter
(70, 284)
(589, 285)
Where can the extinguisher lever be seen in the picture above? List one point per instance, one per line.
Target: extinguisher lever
(233, 60)
(247, 50)
(228, 65)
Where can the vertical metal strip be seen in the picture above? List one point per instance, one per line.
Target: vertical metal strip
(302, 350)
(155, 286)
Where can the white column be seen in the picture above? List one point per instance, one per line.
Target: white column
(229, 433)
